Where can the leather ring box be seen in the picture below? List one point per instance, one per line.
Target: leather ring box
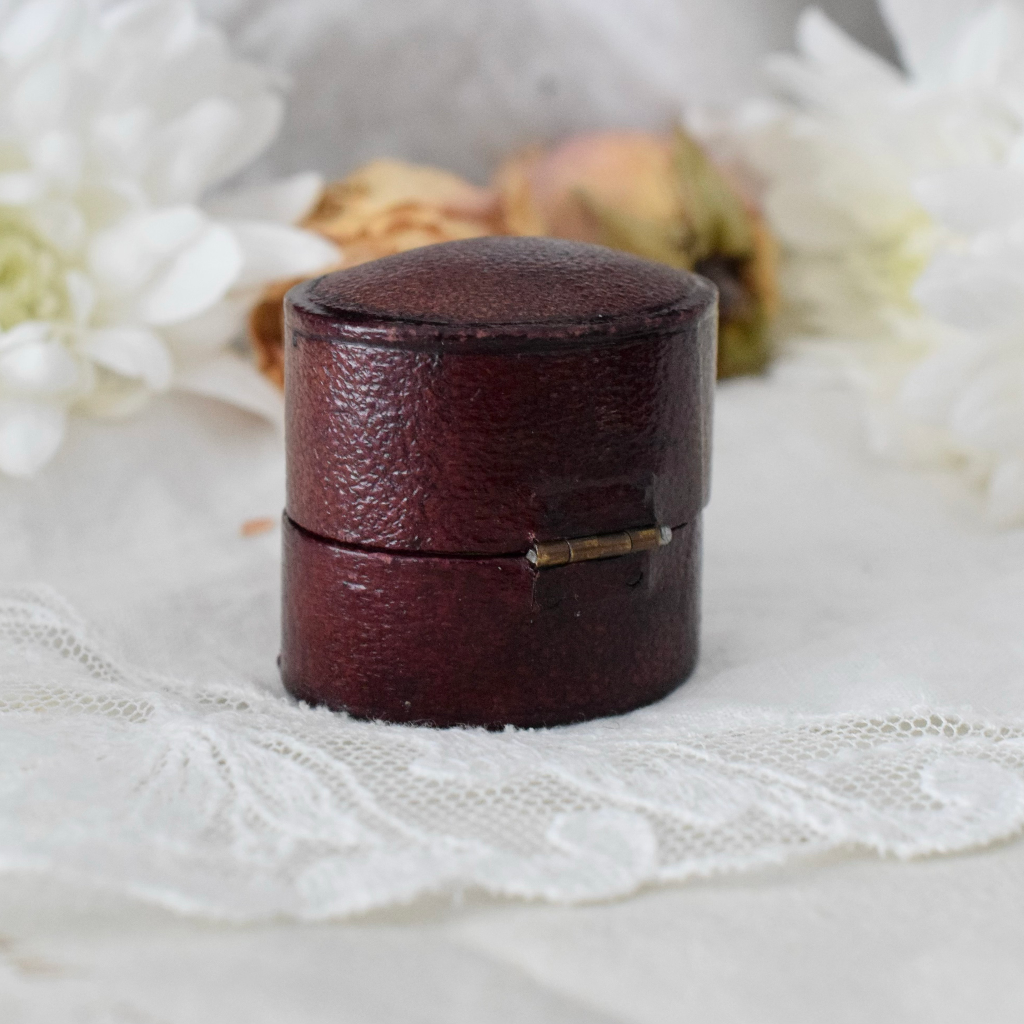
(498, 455)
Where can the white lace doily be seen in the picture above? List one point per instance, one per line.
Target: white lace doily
(228, 802)
(147, 746)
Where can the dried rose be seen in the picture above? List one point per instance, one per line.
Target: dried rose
(657, 196)
(389, 206)
(662, 198)
(383, 208)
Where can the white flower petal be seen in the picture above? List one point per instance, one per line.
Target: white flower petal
(104, 202)
(115, 396)
(57, 155)
(284, 202)
(28, 332)
(273, 251)
(928, 31)
(31, 28)
(931, 388)
(43, 98)
(38, 366)
(903, 439)
(975, 291)
(150, 22)
(186, 151)
(211, 330)
(116, 117)
(970, 199)
(165, 230)
(61, 224)
(805, 222)
(18, 188)
(81, 296)
(196, 279)
(989, 413)
(822, 40)
(126, 255)
(140, 18)
(991, 47)
(794, 78)
(261, 118)
(123, 138)
(30, 434)
(131, 352)
(1006, 493)
(232, 379)
(899, 203)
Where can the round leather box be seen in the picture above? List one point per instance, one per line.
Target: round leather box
(498, 454)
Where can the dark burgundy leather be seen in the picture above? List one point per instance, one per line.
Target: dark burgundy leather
(481, 288)
(486, 641)
(482, 436)
(465, 400)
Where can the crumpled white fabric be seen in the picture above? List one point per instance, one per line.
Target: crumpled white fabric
(860, 689)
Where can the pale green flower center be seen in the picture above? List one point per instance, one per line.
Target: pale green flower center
(900, 259)
(31, 275)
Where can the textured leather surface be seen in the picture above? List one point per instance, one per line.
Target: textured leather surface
(590, 414)
(447, 407)
(486, 282)
(486, 641)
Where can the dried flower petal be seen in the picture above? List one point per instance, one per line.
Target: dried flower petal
(266, 330)
(389, 206)
(255, 527)
(657, 196)
(383, 208)
(661, 198)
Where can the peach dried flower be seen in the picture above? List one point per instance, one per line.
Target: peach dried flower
(386, 207)
(660, 197)
(655, 195)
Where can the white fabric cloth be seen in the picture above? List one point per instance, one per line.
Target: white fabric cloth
(832, 583)
(861, 687)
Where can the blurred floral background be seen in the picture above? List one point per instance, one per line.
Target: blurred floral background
(858, 195)
(463, 83)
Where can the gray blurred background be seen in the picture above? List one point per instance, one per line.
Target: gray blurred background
(461, 83)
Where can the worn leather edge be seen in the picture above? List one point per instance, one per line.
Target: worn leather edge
(308, 321)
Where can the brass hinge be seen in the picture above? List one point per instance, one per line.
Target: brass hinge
(546, 554)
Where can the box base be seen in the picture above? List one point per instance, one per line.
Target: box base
(486, 641)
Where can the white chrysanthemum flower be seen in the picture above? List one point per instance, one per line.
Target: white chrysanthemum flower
(898, 198)
(116, 280)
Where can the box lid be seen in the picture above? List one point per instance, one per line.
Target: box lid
(476, 396)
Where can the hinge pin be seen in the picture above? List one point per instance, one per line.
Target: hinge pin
(546, 554)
